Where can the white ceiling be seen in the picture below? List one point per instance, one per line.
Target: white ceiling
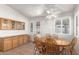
(39, 9)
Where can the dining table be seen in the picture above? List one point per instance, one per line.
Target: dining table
(61, 43)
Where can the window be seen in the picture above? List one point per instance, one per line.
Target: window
(76, 25)
(62, 26)
(58, 26)
(65, 26)
(38, 27)
(31, 27)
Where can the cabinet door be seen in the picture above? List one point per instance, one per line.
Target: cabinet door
(18, 25)
(20, 38)
(9, 25)
(13, 25)
(0, 24)
(15, 42)
(7, 43)
(1, 44)
(22, 26)
(4, 23)
(25, 39)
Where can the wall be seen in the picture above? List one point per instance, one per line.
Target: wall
(47, 25)
(76, 13)
(7, 12)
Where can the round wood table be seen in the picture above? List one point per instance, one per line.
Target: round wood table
(61, 44)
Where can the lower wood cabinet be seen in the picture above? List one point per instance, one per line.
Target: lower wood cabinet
(20, 39)
(25, 39)
(15, 41)
(1, 44)
(7, 43)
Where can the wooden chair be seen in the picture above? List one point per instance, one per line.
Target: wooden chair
(48, 36)
(69, 49)
(55, 36)
(50, 41)
(38, 46)
(51, 47)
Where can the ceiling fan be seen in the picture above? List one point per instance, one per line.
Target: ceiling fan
(52, 12)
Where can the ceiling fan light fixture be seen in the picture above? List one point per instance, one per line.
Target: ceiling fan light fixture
(48, 11)
(52, 16)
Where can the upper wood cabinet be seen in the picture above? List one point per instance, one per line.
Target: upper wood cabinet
(13, 25)
(8, 24)
(5, 24)
(20, 25)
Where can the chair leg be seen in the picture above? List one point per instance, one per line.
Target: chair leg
(35, 51)
(72, 50)
(65, 52)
